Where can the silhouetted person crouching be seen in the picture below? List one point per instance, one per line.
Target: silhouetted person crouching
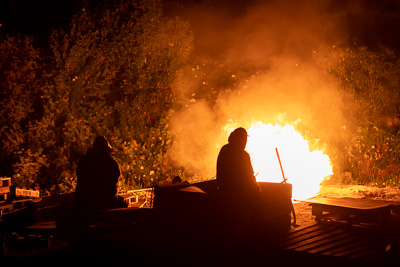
(98, 173)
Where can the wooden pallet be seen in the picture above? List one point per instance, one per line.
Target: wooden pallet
(8, 208)
(338, 240)
(5, 181)
(352, 210)
(28, 193)
(3, 193)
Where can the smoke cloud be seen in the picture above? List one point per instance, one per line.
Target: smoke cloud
(277, 39)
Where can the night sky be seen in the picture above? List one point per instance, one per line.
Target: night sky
(39, 17)
(35, 17)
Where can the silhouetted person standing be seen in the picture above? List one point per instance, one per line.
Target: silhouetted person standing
(98, 173)
(238, 187)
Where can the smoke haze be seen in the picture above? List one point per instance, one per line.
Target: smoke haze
(278, 40)
(255, 31)
(298, 93)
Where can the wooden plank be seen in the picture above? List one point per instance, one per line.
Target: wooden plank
(27, 193)
(4, 190)
(346, 239)
(293, 240)
(370, 253)
(7, 207)
(352, 210)
(5, 181)
(324, 240)
(346, 248)
(327, 248)
(357, 204)
(300, 234)
(3, 198)
(334, 239)
(311, 241)
(305, 233)
(364, 246)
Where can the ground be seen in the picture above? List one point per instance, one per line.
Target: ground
(303, 210)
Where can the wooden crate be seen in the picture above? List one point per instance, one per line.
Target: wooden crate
(27, 193)
(4, 190)
(276, 198)
(276, 203)
(3, 193)
(5, 182)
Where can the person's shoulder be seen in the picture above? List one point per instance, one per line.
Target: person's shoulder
(246, 154)
(225, 148)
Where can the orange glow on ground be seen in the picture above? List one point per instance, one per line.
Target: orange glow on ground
(303, 168)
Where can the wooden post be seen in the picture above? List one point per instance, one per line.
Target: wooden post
(280, 164)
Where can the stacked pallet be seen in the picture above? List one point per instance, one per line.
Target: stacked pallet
(5, 184)
(27, 193)
(14, 200)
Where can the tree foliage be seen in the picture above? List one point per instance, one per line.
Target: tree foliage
(370, 84)
(369, 79)
(20, 81)
(109, 74)
(116, 72)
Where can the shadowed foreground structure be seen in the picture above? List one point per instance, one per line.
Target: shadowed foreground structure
(185, 228)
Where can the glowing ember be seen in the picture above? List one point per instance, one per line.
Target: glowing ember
(303, 168)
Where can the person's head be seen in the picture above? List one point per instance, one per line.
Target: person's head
(238, 138)
(101, 144)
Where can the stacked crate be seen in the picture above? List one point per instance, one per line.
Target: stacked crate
(5, 184)
(16, 200)
(27, 193)
(276, 200)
